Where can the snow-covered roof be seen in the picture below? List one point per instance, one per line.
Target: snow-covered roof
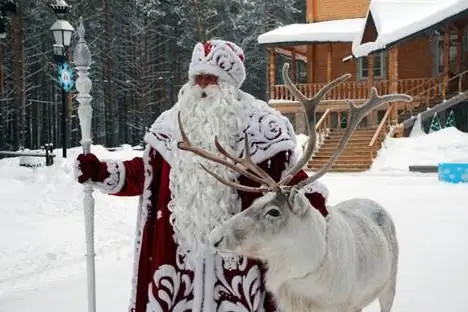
(344, 30)
(398, 19)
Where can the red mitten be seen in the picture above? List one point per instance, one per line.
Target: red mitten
(89, 167)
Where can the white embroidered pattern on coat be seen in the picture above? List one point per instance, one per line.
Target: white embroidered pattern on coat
(246, 285)
(169, 282)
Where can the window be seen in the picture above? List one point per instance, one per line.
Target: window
(439, 57)
(301, 69)
(379, 67)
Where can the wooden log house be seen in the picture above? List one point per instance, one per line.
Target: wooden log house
(418, 48)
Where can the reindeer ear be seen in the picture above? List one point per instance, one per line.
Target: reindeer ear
(298, 201)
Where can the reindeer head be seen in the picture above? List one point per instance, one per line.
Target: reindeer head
(272, 222)
(282, 213)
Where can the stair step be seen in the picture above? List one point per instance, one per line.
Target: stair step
(358, 134)
(343, 157)
(341, 170)
(349, 148)
(353, 140)
(345, 166)
(338, 163)
(361, 131)
(345, 154)
(355, 168)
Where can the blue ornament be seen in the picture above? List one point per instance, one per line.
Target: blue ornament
(65, 76)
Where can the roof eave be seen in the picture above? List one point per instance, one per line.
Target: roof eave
(421, 32)
(296, 43)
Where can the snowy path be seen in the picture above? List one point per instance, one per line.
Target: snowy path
(42, 239)
(69, 293)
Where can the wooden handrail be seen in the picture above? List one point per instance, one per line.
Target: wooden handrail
(438, 85)
(409, 122)
(381, 126)
(429, 80)
(322, 119)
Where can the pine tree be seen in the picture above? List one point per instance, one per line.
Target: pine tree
(435, 124)
(344, 121)
(450, 122)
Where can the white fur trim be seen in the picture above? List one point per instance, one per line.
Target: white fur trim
(143, 207)
(209, 284)
(316, 187)
(198, 284)
(268, 131)
(223, 60)
(116, 179)
(76, 170)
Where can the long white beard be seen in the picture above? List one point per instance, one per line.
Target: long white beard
(199, 202)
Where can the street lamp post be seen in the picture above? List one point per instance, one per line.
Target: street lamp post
(62, 31)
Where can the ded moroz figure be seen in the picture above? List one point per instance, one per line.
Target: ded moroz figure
(180, 203)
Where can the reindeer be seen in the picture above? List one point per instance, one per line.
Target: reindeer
(338, 263)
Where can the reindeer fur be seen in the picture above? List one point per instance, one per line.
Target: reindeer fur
(340, 263)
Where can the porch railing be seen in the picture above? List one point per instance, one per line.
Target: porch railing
(438, 90)
(354, 90)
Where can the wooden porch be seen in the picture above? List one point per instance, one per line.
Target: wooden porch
(281, 98)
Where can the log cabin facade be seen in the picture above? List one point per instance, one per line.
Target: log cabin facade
(429, 64)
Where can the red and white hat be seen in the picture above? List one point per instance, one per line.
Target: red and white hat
(220, 58)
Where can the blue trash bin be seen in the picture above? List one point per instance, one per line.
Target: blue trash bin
(453, 172)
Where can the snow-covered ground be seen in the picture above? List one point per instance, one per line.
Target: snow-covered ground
(42, 265)
(446, 145)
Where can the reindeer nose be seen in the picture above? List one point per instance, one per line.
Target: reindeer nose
(216, 243)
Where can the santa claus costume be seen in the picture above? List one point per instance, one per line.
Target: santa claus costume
(180, 203)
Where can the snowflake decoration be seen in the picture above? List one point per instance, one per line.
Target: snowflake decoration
(464, 177)
(65, 77)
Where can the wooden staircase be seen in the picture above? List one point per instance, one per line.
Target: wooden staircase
(356, 157)
(366, 142)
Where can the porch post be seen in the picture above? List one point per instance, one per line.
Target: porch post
(446, 52)
(271, 71)
(460, 31)
(372, 117)
(393, 81)
(299, 116)
(293, 65)
(310, 63)
(329, 62)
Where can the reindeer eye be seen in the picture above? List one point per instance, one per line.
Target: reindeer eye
(274, 212)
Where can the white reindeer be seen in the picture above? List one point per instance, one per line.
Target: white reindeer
(338, 263)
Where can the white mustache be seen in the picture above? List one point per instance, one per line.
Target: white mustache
(209, 91)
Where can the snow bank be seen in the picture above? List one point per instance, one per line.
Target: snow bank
(42, 224)
(446, 145)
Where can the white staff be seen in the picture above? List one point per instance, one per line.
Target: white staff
(82, 61)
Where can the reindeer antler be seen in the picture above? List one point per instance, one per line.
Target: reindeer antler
(267, 183)
(356, 114)
(310, 106)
